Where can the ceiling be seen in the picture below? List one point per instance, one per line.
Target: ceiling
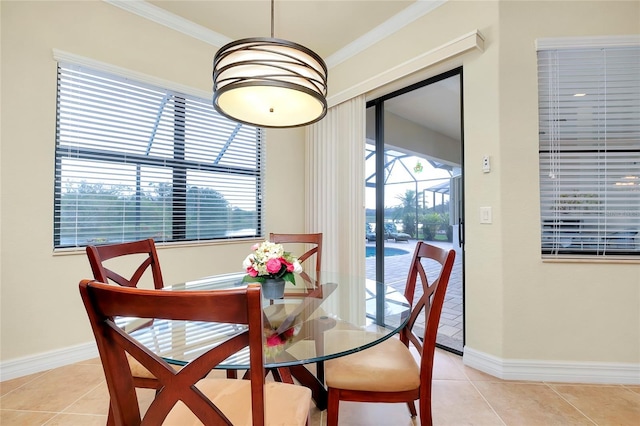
(435, 106)
(324, 26)
(335, 29)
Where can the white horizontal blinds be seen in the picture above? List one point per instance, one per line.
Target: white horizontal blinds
(589, 112)
(135, 161)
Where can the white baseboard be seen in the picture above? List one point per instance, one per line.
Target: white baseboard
(46, 361)
(531, 370)
(553, 371)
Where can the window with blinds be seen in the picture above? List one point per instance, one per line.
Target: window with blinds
(135, 161)
(589, 126)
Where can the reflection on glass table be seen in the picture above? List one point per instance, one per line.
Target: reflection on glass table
(328, 320)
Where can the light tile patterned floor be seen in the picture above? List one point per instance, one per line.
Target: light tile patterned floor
(76, 395)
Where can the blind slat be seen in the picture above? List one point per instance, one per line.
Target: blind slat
(135, 161)
(589, 125)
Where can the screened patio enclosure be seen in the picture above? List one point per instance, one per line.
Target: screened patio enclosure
(416, 189)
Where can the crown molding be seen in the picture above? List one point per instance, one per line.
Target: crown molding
(392, 25)
(473, 41)
(162, 17)
(158, 15)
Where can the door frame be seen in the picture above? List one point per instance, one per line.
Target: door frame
(378, 104)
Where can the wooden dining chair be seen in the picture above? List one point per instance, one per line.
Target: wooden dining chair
(185, 397)
(388, 372)
(145, 252)
(145, 249)
(313, 252)
(314, 247)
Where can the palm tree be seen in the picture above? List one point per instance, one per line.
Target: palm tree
(408, 201)
(408, 210)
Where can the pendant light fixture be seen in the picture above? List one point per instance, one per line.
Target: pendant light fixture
(269, 82)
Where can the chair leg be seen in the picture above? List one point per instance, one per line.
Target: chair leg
(232, 374)
(412, 408)
(282, 374)
(425, 412)
(333, 405)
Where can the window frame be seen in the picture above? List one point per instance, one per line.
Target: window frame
(584, 221)
(178, 164)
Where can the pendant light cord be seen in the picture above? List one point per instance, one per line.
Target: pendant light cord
(272, 18)
(277, 67)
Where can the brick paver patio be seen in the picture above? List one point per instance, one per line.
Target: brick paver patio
(450, 331)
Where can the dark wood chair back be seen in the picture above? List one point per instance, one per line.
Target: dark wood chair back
(240, 306)
(428, 306)
(313, 240)
(145, 250)
(99, 254)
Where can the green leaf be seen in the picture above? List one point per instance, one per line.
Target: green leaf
(250, 279)
(289, 277)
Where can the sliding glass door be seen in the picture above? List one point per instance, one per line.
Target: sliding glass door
(414, 186)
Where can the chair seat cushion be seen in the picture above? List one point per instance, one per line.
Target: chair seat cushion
(386, 367)
(285, 404)
(139, 370)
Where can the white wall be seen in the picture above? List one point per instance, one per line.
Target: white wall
(40, 308)
(518, 307)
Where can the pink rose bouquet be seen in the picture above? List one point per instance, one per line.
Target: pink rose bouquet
(269, 260)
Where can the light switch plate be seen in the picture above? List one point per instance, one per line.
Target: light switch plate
(485, 215)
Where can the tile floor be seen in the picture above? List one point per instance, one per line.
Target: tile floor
(77, 395)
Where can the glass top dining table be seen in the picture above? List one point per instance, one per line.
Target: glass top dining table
(319, 318)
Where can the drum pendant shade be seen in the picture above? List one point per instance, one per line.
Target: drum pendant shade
(269, 82)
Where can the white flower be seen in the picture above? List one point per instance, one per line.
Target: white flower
(248, 261)
(267, 252)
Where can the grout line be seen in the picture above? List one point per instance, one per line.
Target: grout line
(57, 415)
(48, 421)
(62, 411)
(31, 410)
(54, 413)
(630, 388)
(462, 369)
(36, 376)
(486, 401)
(569, 402)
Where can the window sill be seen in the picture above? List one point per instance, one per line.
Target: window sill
(592, 259)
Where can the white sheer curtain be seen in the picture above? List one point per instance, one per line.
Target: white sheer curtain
(335, 190)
